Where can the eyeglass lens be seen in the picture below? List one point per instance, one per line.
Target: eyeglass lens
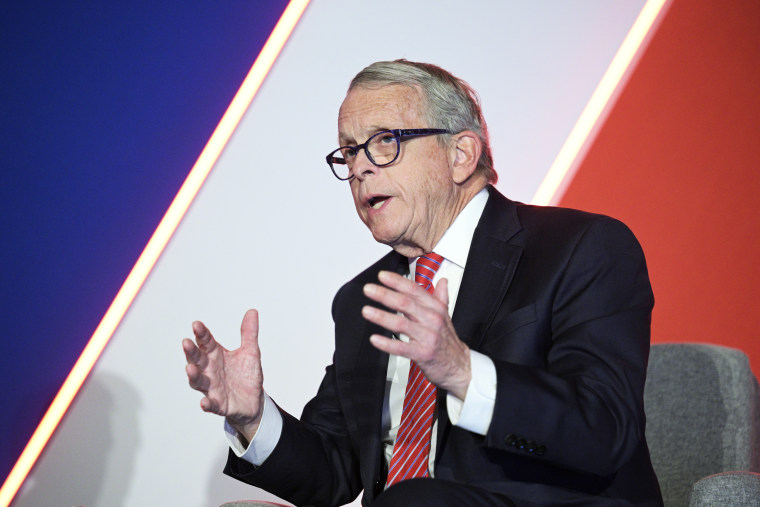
(382, 148)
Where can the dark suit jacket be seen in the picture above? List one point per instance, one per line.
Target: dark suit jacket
(560, 300)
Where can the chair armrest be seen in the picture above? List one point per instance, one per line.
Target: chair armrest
(737, 489)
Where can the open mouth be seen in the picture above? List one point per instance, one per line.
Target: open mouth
(377, 201)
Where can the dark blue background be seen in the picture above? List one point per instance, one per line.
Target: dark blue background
(105, 107)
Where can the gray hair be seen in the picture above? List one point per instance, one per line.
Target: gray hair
(450, 102)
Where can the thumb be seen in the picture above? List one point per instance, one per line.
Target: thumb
(249, 330)
(441, 291)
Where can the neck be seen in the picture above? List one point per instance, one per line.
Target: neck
(429, 239)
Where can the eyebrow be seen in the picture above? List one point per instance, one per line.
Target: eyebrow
(350, 141)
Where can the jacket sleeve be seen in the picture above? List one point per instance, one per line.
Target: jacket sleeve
(313, 462)
(577, 401)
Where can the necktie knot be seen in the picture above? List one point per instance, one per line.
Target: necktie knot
(427, 266)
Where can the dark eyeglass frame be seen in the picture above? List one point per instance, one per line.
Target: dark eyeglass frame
(401, 135)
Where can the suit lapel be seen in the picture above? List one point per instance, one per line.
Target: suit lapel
(491, 265)
(490, 268)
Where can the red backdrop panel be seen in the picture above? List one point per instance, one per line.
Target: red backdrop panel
(678, 159)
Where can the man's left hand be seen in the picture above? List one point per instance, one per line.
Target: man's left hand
(424, 318)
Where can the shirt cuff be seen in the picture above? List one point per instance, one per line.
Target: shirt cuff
(476, 411)
(263, 442)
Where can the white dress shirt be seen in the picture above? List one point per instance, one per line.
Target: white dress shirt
(473, 414)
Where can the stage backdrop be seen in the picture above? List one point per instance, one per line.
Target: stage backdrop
(135, 434)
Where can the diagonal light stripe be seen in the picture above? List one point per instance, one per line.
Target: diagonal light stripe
(563, 168)
(154, 248)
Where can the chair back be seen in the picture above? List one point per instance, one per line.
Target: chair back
(703, 412)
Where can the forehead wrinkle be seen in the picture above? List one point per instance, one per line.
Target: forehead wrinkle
(380, 112)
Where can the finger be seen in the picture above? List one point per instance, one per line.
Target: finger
(399, 283)
(196, 379)
(402, 285)
(441, 292)
(249, 331)
(405, 285)
(394, 347)
(408, 304)
(209, 406)
(391, 321)
(192, 354)
(203, 337)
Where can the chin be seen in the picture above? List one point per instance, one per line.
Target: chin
(384, 237)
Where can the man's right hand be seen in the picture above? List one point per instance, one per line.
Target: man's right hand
(230, 380)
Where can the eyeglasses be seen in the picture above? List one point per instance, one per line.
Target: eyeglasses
(382, 149)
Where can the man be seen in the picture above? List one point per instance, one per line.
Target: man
(532, 335)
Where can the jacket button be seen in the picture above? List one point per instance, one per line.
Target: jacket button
(521, 443)
(530, 446)
(510, 440)
(540, 450)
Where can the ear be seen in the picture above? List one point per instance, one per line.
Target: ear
(464, 155)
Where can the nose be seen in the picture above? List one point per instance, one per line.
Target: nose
(363, 167)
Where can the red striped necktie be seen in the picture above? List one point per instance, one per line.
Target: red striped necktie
(412, 448)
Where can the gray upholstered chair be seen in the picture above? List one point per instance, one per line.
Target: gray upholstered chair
(702, 425)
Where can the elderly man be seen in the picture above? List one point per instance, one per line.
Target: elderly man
(496, 356)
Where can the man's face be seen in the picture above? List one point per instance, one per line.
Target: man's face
(409, 203)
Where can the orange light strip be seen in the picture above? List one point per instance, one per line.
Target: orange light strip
(154, 248)
(566, 163)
